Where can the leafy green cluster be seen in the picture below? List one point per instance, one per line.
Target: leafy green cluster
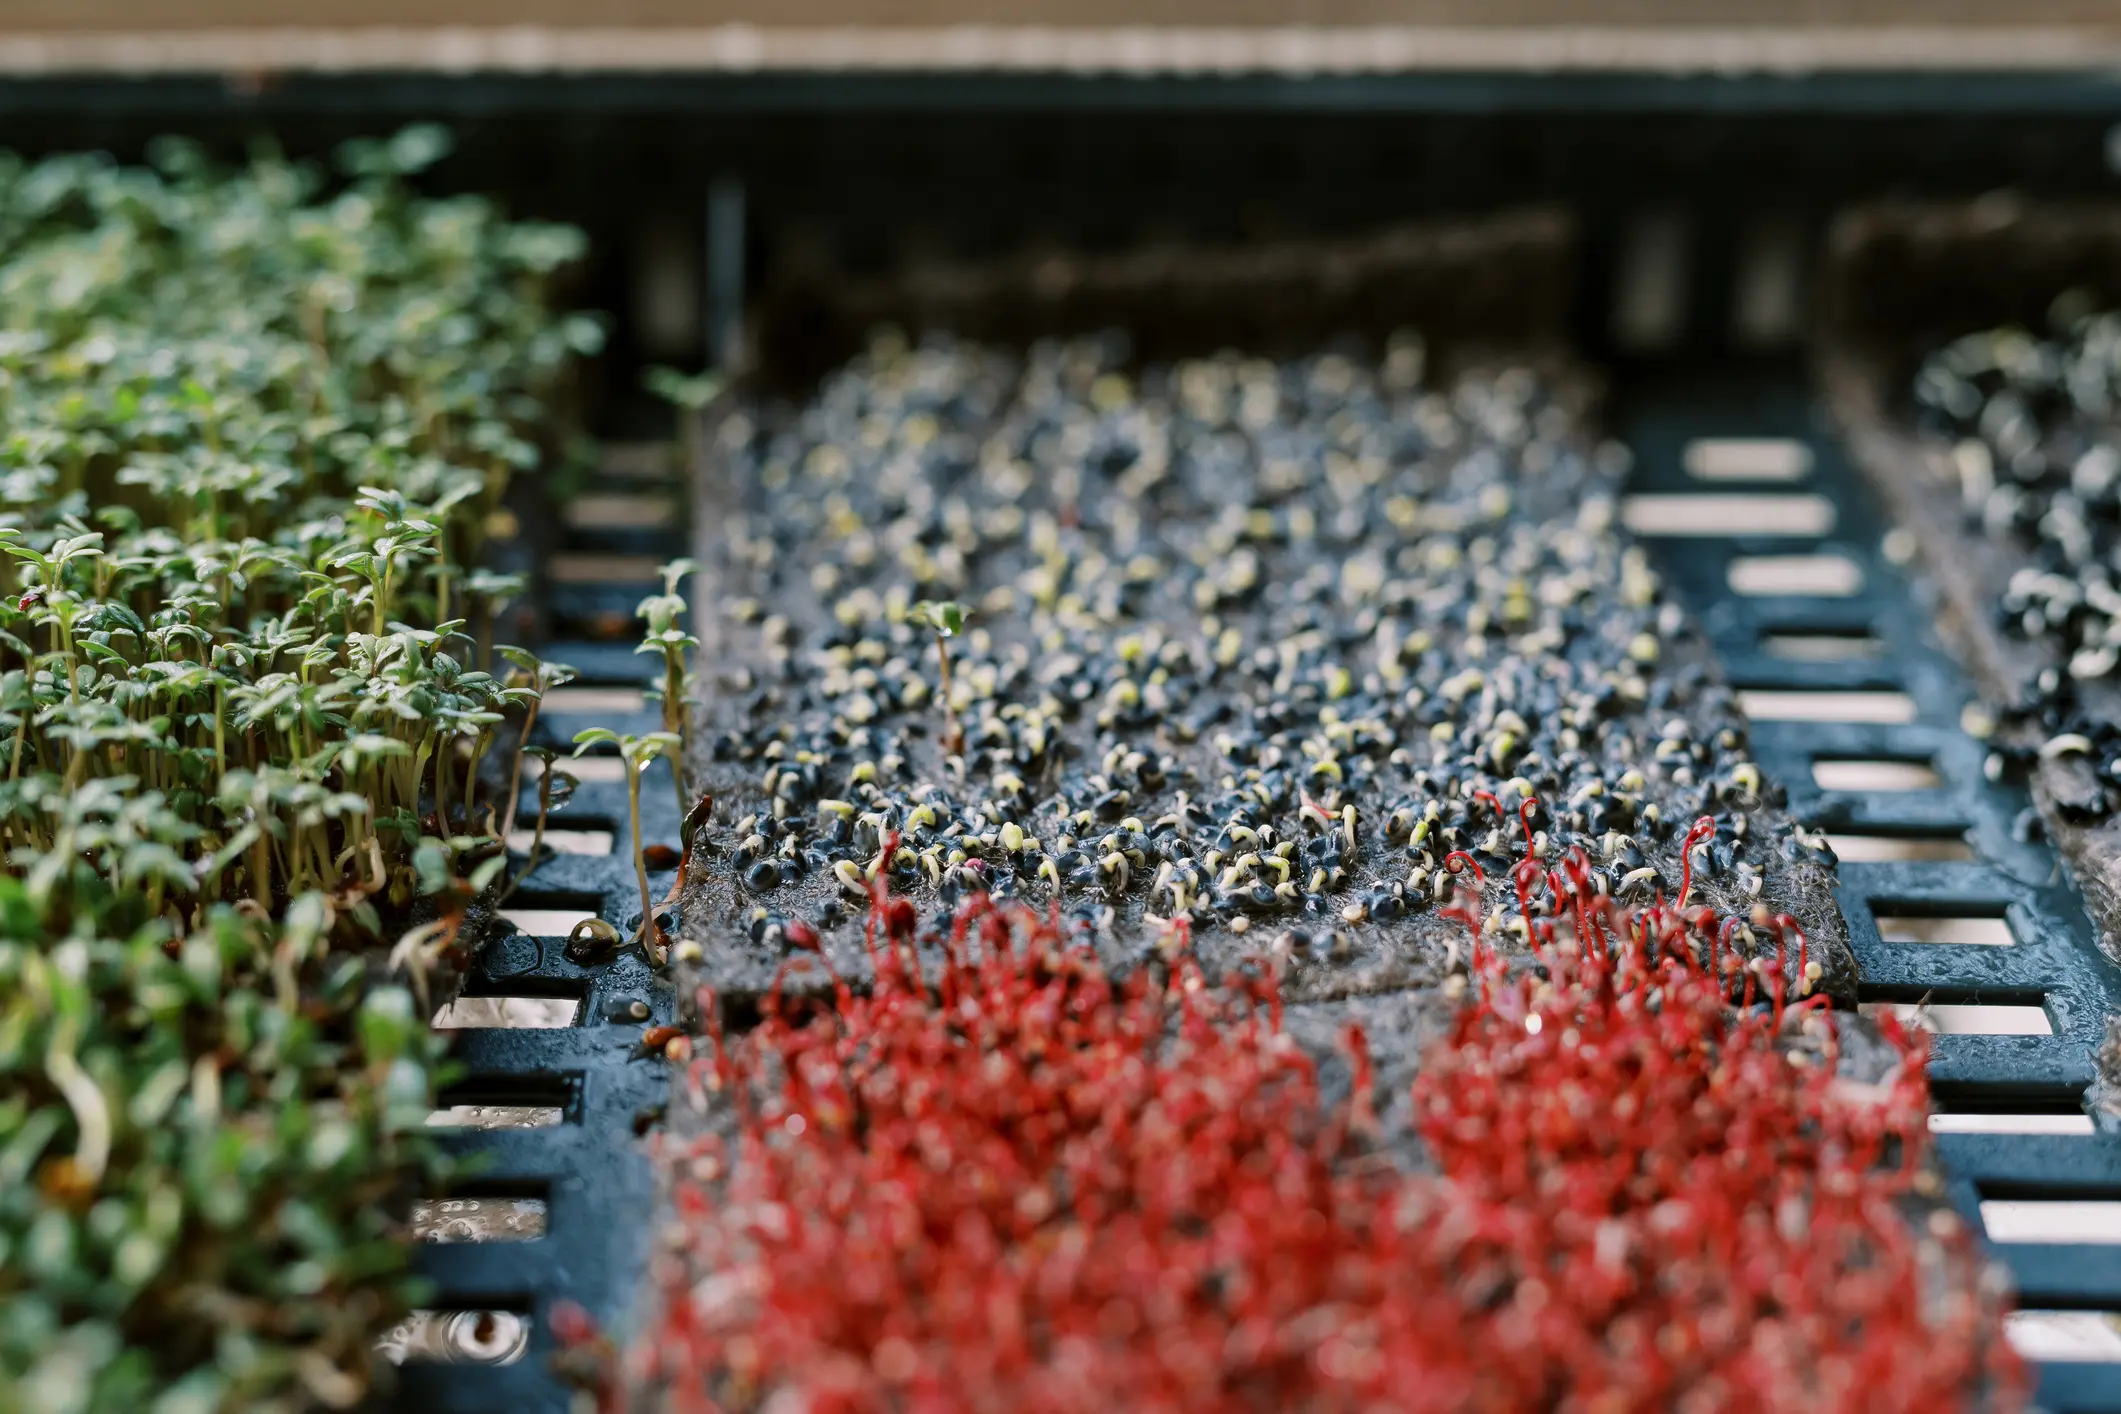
(203, 1132)
(254, 427)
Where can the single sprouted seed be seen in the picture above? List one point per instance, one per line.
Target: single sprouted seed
(667, 636)
(542, 677)
(947, 618)
(554, 790)
(639, 753)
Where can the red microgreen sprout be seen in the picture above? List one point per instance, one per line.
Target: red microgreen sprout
(1024, 1184)
(1703, 829)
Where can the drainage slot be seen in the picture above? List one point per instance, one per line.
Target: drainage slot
(497, 1117)
(636, 461)
(1822, 645)
(1880, 848)
(2009, 1109)
(1991, 1097)
(496, 1217)
(606, 627)
(552, 912)
(1801, 576)
(575, 841)
(457, 1338)
(1650, 285)
(1767, 293)
(2076, 1124)
(1807, 705)
(1877, 773)
(1964, 1018)
(547, 922)
(1952, 930)
(551, 915)
(619, 511)
(2065, 1337)
(590, 770)
(603, 569)
(2068, 1221)
(1682, 514)
(1747, 459)
(517, 1012)
(506, 1101)
(575, 701)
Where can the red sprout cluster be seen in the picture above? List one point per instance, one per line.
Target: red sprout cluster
(1670, 1199)
(1021, 1185)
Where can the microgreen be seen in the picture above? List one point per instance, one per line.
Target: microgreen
(253, 428)
(689, 393)
(538, 678)
(555, 789)
(947, 618)
(639, 753)
(666, 636)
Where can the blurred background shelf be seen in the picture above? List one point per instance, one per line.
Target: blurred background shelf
(1165, 36)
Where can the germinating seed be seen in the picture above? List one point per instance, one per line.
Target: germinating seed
(2035, 423)
(1231, 639)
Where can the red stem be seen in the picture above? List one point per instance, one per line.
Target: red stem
(1723, 939)
(1703, 828)
(1524, 876)
(1455, 861)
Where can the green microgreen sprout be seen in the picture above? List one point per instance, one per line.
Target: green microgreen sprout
(254, 426)
(690, 394)
(540, 678)
(947, 618)
(555, 789)
(667, 636)
(492, 593)
(639, 753)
